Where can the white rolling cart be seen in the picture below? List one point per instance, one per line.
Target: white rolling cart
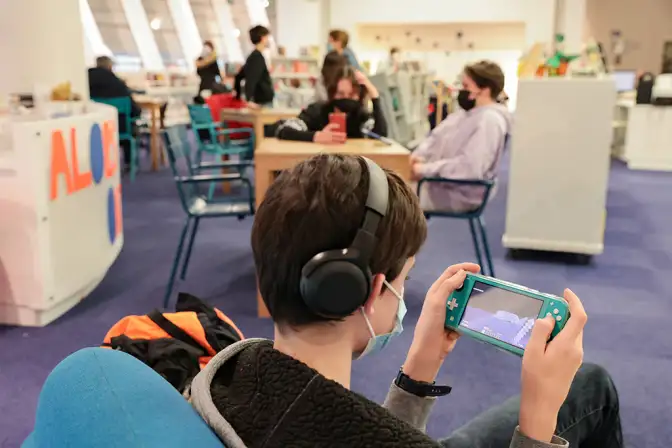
(560, 156)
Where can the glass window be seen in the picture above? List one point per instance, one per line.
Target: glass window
(165, 34)
(208, 27)
(111, 20)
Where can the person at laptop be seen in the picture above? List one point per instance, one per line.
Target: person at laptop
(468, 144)
(347, 91)
(295, 390)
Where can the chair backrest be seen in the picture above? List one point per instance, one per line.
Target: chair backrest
(123, 105)
(178, 149)
(202, 124)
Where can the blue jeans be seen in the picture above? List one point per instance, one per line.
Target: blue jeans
(588, 419)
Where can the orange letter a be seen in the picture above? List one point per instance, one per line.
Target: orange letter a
(59, 165)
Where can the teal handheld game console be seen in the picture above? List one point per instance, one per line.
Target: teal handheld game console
(501, 313)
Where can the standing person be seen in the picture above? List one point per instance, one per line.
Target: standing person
(207, 69)
(258, 83)
(332, 65)
(338, 41)
(103, 83)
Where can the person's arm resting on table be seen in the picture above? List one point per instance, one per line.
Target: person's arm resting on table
(303, 127)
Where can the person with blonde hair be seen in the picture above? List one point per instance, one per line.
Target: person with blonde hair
(338, 41)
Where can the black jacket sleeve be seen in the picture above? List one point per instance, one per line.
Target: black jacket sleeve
(254, 69)
(238, 81)
(376, 122)
(303, 127)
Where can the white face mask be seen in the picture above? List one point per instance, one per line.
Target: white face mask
(378, 342)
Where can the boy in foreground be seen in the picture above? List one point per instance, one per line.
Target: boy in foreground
(294, 391)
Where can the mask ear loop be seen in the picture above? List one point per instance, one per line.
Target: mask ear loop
(368, 322)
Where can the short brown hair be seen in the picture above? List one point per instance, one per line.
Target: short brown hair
(340, 36)
(316, 206)
(486, 74)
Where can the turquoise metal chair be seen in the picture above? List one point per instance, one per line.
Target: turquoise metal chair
(214, 139)
(475, 217)
(179, 133)
(123, 105)
(196, 205)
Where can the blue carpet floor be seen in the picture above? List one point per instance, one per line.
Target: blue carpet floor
(625, 292)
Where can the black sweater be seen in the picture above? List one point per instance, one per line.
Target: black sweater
(316, 116)
(258, 83)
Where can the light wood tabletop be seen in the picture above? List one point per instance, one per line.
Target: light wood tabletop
(258, 118)
(273, 156)
(154, 107)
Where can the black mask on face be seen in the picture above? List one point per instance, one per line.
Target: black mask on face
(464, 101)
(347, 105)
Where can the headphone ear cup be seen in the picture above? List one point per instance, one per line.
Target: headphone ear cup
(336, 288)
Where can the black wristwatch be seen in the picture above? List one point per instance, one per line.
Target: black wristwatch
(420, 388)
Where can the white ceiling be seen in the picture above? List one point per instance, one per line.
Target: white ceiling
(116, 34)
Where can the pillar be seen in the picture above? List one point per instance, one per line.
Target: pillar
(136, 17)
(41, 45)
(187, 31)
(224, 16)
(570, 21)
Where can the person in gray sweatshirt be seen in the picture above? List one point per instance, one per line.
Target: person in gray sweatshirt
(333, 242)
(467, 145)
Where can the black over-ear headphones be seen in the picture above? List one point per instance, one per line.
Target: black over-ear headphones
(337, 282)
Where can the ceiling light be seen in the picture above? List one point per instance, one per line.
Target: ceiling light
(236, 32)
(266, 3)
(155, 24)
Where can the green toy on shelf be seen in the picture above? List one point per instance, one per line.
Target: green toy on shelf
(558, 63)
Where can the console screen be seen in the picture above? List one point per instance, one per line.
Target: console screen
(501, 314)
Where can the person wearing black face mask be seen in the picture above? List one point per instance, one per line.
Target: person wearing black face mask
(464, 101)
(467, 145)
(346, 92)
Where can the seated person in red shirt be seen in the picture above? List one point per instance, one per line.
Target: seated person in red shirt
(346, 92)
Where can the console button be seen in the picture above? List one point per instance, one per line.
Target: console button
(556, 311)
(452, 304)
(558, 318)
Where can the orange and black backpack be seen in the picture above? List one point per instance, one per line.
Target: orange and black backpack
(176, 345)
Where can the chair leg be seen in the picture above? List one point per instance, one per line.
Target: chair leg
(187, 256)
(176, 261)
(474, 238)
(486, 246)
(134, 159)
(211, 190)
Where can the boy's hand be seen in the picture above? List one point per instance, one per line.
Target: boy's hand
(432, 341)
(549, 369)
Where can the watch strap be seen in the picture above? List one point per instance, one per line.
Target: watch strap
(420, 388)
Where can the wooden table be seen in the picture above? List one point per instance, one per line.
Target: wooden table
(275, 155)
(154, 107)
(258, 118)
